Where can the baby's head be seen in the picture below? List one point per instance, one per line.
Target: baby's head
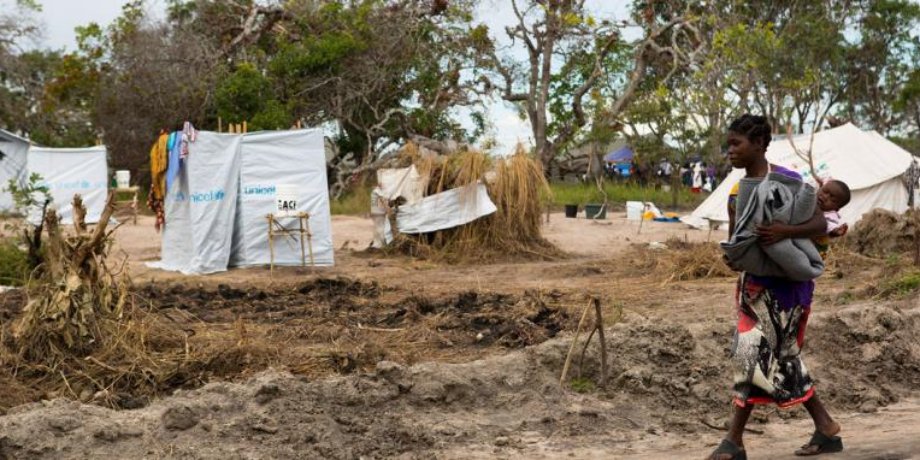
(833, 195)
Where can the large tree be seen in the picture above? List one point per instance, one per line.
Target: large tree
(378, 70)
(882, 63)
(571, 56)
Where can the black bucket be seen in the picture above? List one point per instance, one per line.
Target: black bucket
(595, 211)
(571, 211)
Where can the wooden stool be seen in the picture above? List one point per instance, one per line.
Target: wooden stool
(303, 229)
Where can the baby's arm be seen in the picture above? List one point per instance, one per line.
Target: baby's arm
(773, 233)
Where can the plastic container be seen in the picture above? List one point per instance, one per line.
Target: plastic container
(634, 210)
(571, 211)
(123, 178)
(595, 211)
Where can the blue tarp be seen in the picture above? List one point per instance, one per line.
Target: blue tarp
(618, 156)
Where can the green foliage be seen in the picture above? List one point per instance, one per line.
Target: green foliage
(272, 116)
(29, 195)
(582, 385)
(243, 94)
(619, 193)
(14, 264)
(901, 285)
(355, 202)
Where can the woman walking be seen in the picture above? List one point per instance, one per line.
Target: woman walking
(772, 315)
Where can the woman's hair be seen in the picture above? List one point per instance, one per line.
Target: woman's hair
(754, 127)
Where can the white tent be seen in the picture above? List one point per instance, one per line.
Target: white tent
(282, 158)
(13, 150)
(67, 172)
(216, 210)
(869, 164)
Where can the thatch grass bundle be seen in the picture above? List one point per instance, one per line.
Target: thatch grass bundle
(681, 261)
(516, 185)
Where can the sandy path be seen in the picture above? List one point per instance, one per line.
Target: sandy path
(889, 434)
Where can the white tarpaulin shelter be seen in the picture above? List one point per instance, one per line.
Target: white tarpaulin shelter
(13, 150)
(869, 164)
(67, 172)
(282, 158)
(216, 209)
(444, 210)
(201, 207)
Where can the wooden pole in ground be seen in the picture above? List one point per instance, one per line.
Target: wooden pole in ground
(271, 246)
(568, 357)
(310, 241)
(303, 236)
(600, 335)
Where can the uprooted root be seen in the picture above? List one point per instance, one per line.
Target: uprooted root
(82, 335)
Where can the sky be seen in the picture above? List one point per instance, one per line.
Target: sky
(60, 17)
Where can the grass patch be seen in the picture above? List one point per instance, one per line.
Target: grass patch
(13, 264)
(582, 385)
(355, 202)
(902, 285)
(620, 193)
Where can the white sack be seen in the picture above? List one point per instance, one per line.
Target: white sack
(67, 172)
(445, 210)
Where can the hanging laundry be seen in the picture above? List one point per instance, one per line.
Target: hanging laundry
(158, 165)
(189, 134)
(175, 149)
(158, 161)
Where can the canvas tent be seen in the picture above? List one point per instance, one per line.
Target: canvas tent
(13, 150)
(67, 172)
(869, 164)
(216, 210)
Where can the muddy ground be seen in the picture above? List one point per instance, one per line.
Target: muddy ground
(395, 358)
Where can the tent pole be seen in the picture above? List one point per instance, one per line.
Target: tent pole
(310, 240)
(303, 255)
(271, 246)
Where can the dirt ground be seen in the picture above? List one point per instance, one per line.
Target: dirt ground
(397, 358)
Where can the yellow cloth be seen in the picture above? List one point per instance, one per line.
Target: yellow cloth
(158, 161)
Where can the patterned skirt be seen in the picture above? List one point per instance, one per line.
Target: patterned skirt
(767, 350)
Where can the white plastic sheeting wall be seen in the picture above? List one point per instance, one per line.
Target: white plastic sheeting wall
(201, 207)
(13, 150)
(67, 172)
(269, 159)
(445, 210)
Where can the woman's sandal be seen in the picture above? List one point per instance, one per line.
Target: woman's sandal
(825, 445)
(729, 448)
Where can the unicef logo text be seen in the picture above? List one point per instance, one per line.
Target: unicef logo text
(259, 190)
(207, 197)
